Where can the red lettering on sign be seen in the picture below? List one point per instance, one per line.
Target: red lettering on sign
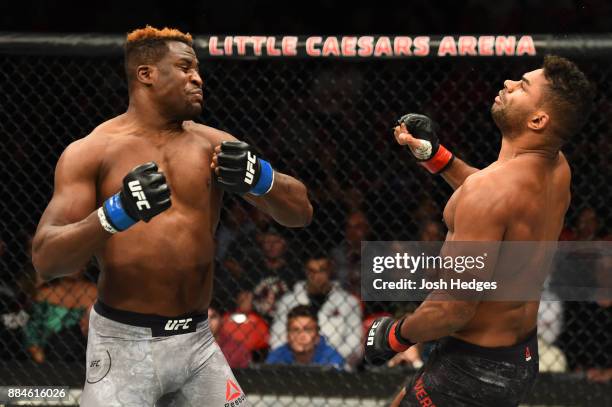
(447, 46)
(467, 45)
(401, 45)
(366, 46)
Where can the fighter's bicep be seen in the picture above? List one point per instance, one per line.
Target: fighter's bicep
(74, 196)
(74, 203)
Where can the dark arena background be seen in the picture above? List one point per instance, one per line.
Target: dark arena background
(320, 106)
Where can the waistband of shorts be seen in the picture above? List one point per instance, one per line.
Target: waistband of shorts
(517, 353)
(160, 325)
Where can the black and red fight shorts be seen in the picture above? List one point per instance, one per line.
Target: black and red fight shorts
(459, 373)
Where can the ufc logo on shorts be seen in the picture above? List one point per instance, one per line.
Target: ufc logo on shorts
(136, 189)
(250, 169)
(372, 333)
(176, 324)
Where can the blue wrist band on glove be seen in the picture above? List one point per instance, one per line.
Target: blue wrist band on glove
(116, 215)
(266, 179)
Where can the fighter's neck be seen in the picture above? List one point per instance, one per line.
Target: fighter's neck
(150, 119)
(516, 146)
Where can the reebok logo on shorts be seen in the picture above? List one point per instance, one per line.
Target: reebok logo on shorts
(233, 394)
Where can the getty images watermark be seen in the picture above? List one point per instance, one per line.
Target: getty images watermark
(427, 264)
(486, 271)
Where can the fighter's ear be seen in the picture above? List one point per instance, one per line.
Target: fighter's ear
(538, 121)
(145, 74)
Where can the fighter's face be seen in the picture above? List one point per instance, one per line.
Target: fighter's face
(518, 100)
(303, 334)
(178, 84)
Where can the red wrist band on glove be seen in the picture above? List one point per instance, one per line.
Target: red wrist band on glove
(438, 162)
(396, 342)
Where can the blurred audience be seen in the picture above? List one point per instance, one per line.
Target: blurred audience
(587, 227)
(59, 318)
(243, 249)
(347, 255)
(267, 275)
(239, 335)
(236, 224)
(338, 312)
(13, 318)
(305, 345)
(431, 231)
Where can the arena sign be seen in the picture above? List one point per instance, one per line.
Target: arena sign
(367, 46)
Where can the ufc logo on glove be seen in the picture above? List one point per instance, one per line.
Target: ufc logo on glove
(139, 194)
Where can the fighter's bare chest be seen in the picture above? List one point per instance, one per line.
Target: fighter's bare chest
(185, 164)
(449, 210)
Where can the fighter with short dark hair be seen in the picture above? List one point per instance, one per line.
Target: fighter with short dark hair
(487, 352)
(142, 193)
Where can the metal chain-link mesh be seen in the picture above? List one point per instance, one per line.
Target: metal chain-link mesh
(325, 122)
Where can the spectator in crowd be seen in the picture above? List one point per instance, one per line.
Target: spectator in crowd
(305, 345)
(347, 256)
(242, 334)
(269, 276)
(431, 231)
(587, 228)
(236, 223)
(237, 354)
(242, 251)
(17, 287)
(13, 318)
(59, 318)
(338, 312)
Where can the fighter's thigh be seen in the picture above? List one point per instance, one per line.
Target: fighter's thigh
(213, 384)
(119, 372)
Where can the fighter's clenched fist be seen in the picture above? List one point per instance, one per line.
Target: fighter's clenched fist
(419, 133)
(385, 340)
(145, 194)
(239, 170)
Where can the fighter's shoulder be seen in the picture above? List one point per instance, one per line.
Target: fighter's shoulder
(488, 190)
(214, 136)
(88, 148)
(99, 137)
(85, 153)
(490, 181)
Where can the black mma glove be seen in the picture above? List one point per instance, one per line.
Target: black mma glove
(384, 340)
(430, 154)
(144, 195)
(241, 171)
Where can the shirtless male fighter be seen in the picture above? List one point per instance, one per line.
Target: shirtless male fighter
(142, 193)
(486, 353)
